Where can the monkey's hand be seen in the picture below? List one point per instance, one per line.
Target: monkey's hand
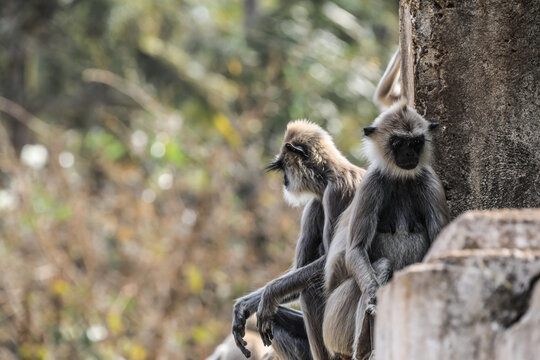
(265, 317)
(240, 316)
(371, 301)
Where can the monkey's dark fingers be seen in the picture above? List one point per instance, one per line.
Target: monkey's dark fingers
(264, 326)
(239, 331)
(260, 322)
(268, 335)
(266, 338)
(241, 344)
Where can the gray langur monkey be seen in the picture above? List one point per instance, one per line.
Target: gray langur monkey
(227, 350)
(398, 210)
(389, 89)
(316, 174)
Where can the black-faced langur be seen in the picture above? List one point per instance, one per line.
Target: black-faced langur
(316, 174)
(398, 210)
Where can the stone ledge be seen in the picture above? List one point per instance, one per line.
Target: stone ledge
(455, 307)
(489, 229)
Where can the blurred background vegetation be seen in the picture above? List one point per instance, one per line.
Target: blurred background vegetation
(133, 134)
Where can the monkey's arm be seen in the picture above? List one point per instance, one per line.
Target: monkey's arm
(335, 201)
(362, 229)
(307, 250)
(276, 290)
(243, 308)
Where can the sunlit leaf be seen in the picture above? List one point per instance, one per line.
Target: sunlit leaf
(235, 67)
(105, 143)
(114, 150)
(174, 154)
(60, 287)
(195, 279)
(137, 352)
(32, 351)
(62, 213)
(201, 334)
(114, 321)
(225, 128)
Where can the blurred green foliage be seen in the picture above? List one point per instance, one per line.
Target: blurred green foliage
(144, 211)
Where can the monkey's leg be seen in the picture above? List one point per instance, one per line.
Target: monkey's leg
(313, 301)
(363, 343)
(290, 336)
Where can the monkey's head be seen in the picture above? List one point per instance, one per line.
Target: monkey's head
(399, 141)
(306, 160)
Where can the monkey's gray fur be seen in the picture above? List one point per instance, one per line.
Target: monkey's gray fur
(398, 210)
(316, 172)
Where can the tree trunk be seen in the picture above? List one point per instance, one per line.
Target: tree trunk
(14, 76)
(474, 66)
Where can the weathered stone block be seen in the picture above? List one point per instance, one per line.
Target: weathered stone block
(522, 340)
(508, 228)
(454, 308)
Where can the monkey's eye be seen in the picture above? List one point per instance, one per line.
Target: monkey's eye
(418, 142)
(297, 149)
(396, 142)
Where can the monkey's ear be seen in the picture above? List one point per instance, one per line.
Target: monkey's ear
(298, 149)
(433, 125)
(368, 130)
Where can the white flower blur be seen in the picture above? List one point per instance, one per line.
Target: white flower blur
(34, 156)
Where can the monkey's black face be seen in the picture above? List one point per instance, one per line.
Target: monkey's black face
(407, 150)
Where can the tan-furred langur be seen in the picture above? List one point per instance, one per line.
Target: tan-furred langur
(316, 174)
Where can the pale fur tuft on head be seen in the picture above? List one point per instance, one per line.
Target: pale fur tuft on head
(309, 132)
(305, 130)
(306, 170)
(399, 119)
